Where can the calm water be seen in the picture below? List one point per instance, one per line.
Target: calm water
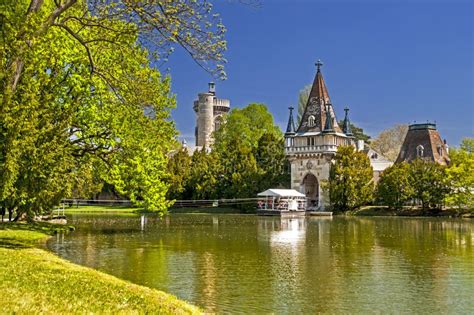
(249, 264)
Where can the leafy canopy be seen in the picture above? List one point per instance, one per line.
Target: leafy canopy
(350, 179)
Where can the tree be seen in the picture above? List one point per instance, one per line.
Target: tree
(155, 24)
(179, 169)
(302, 100)
(357, 132)
(394, 188)
(460, 173)
(203, 183)
(389, 141)
(271, 160)
(429, 183)
(250, 148)
(350, 179)
(76, 82)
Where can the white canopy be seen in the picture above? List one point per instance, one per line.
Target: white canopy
(281, 193)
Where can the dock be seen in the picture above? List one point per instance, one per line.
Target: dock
(319, 213)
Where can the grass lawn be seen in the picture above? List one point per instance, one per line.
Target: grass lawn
(33, 280)
(98, 209)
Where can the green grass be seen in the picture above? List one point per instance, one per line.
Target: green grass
(99, 209)
(33, 280)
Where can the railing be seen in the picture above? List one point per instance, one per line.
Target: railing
(313, 148)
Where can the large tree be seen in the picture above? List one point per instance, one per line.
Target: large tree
(429, 183)
(76, 82)
(460, 175)
(250, 148)
(350, 179)
(395, 187)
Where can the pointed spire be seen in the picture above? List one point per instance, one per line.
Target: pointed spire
(346, 127)
(314, 115)
(290, 129)
(328, 126)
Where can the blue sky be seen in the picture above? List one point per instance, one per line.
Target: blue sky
(391, 62)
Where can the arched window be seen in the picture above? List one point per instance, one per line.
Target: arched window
(311, 121)
(419, 151)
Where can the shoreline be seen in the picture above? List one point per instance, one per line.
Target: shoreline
(35, 280)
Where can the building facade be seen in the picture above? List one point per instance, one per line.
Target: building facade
(423, 141)
(311, 146)
(209, 111)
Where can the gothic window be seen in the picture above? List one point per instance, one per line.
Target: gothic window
(419, 151)
(311, 121)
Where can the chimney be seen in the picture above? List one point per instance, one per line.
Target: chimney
(360, 145)
(212, 88)
(446, 146)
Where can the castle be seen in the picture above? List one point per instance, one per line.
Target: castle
(209, 111)
(311, 147)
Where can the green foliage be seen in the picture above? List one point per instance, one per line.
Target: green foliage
(460, 175)
(358, 132)
(429, 183)
(247, 157)
(302, 100)
(203, 179)
(251, 150)
(75, 85)
(350, 179)
(179, 170)
(247, 126)
(395, 188)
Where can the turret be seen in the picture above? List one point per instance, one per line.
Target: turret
(290, 129)
(346, 126)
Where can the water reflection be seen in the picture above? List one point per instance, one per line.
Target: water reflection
(285, 265)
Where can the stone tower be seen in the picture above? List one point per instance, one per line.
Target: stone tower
(209, 115)
(424, 142)
(311, 147)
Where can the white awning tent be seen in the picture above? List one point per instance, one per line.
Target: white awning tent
(280, 193)
(281, 200)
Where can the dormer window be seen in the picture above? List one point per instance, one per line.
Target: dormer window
(419, 151)
(440, 149)
(311, 121)
(374, 156)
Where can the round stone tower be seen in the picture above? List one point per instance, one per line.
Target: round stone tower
(209, 115)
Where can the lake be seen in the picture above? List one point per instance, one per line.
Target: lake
(249, 264)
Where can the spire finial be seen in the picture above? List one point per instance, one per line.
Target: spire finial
(346, 125)
(290, 129)
(319, 64)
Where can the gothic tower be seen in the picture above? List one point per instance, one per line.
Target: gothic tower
(311, 147)
(209, 115)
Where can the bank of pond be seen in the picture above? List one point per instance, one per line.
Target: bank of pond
(34, 280)
(236, 263)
